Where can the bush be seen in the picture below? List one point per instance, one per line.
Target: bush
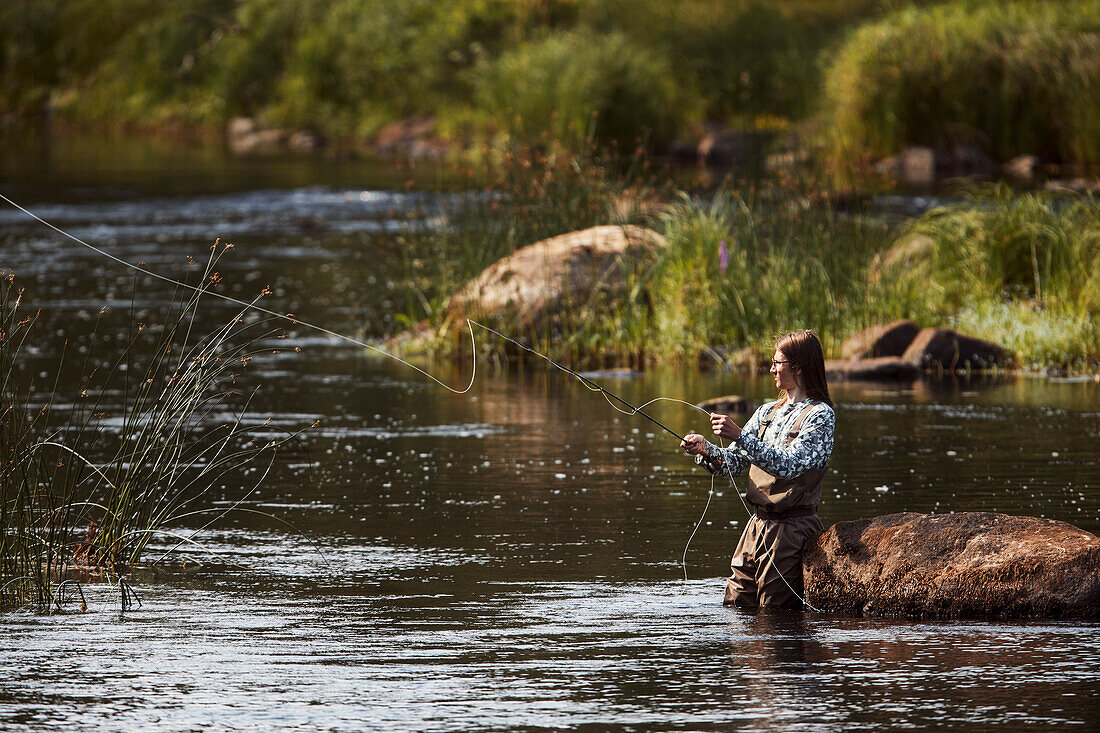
(349, 66)
(579, 86)
(28, 71)
(744, 58)
(1014, 78)
(139, 62)
(1001, 246)
(790, 264)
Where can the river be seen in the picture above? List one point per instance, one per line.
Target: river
(506, 559)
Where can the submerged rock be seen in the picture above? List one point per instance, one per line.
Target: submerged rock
(533, 284)
(882, 369)
(966, 565)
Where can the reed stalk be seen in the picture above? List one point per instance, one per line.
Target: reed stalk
(76, 492)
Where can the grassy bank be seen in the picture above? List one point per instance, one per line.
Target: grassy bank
(487, 68)
(1009, 78)
(746, 265)
(91, 480)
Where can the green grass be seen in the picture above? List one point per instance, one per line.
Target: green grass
(1011, 78)
(75, 492)
(580, 86)
(1019, 269)
(792, 264)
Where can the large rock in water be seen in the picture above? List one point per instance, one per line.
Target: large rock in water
(966, 565)
(949, 349)
(533, 283)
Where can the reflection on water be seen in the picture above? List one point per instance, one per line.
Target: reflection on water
(510, 558)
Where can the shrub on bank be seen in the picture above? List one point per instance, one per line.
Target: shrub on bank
(743, 58)
(1011, 78)
(580, 86)
(356, 64)
(1004, 246)
(740, 270)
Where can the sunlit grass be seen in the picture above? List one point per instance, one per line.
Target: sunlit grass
(742, 267)
(1043, 338)
(1010, 78)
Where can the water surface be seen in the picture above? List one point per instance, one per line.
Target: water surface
(508, 559)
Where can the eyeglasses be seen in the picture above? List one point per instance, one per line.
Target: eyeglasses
(777, 363)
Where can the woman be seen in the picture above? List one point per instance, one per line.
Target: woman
(786, 446)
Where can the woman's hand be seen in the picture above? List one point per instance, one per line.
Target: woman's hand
(694, 444)
(724, 426)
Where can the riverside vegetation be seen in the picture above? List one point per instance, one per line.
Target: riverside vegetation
(93, 482)
(870, 76)
(745, 265)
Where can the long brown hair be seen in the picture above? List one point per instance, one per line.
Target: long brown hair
(806, 357)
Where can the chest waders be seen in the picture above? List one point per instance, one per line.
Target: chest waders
(767, 564)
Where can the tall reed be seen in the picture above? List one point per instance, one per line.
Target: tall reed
(75, 491)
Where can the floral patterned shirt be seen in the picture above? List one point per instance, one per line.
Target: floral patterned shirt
(810, 449)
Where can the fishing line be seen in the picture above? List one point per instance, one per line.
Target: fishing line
(592, 386)
(608, 396)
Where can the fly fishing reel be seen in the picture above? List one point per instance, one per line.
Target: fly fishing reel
(712, 464)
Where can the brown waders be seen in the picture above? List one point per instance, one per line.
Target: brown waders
(767, 564)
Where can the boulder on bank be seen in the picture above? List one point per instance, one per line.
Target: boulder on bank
(923, 167)
(726, 146)
(966, 565)
(244, 137)
(890, 339)
(414, 138)
(535, 282)
(247, 136)
(914, 166)
(729, 405)
(1024, 169)
(881, 369)
(948, 349)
